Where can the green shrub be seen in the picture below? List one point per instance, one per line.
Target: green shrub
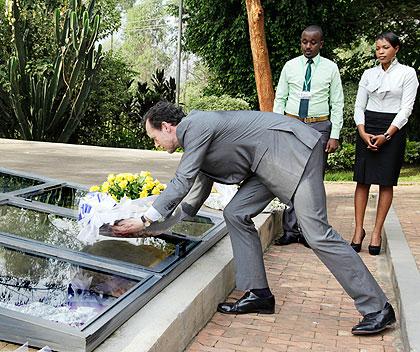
(412, 153)
(106, 117)
(114, 115)
(342, 159)
(212, 102)
(348, 132)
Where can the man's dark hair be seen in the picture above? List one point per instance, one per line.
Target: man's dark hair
(164, 111)
(390, 37)
(314, 28)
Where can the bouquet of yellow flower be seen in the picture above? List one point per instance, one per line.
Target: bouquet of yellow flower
(132, 186)
(121, 196)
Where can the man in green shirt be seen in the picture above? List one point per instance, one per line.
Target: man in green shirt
(310, 90)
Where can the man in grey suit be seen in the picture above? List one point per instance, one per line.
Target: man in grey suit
(270, 156)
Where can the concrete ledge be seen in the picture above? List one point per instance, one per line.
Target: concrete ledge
(406, 281)
(171, 319)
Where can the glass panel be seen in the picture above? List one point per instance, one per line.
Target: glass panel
(67, 197)
(194, 227)
(9, 183)
(62, 232)
(56, 290)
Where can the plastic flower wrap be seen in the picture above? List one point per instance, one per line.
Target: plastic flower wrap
(121, 196)
(128, 185)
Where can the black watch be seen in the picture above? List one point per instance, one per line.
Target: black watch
(387, 136)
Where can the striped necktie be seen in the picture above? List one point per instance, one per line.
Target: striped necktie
(304, 103)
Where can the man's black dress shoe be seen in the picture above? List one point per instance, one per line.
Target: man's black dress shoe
(375, 322)
(289, 239)
(248, 303)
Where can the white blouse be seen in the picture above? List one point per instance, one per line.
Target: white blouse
(392, 91)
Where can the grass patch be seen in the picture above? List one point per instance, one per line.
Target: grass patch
(338, 176)
(408, 174)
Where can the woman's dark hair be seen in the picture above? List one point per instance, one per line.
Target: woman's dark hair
(164, 111)
(391, 38)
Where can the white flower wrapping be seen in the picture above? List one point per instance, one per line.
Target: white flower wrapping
(97, 209)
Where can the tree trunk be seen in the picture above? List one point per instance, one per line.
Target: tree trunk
(259, 50)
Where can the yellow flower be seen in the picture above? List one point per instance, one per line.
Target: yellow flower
(130, 178)
(131, 185)
(155, 191)
(111, 178)
(123, 184)
(105, 186)
(119, 178)
(149, 185)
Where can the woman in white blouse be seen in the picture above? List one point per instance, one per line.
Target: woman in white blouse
(384, 102)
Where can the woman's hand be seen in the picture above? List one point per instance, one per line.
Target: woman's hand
(368, 139)
(378, 140)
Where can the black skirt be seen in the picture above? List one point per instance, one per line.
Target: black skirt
(380, 167)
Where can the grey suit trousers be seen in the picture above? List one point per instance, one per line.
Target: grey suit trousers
(310, 202)
(290, 223)
(250, 200)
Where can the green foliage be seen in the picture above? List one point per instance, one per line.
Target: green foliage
(114, 117)
(412, 153)
(213, 102)
(110, 11)
(338, 176)
(149, 39)
(106, 121)
(348, 132)
(49, 104)
(147, 95)
(343, 159)
(217, 31)
(408, 174)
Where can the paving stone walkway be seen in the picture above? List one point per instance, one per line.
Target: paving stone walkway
(313, 313)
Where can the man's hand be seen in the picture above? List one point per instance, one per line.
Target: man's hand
(332, 145)
(128, 228)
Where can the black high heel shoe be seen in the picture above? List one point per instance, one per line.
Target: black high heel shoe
(375, 250)
(358, 246)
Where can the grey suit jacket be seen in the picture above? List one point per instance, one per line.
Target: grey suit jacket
(230, 146)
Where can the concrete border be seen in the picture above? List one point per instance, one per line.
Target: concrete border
(406, 281)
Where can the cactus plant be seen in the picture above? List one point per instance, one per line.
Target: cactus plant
(50, 106)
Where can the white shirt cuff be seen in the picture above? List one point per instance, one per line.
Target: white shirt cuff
(152, 214)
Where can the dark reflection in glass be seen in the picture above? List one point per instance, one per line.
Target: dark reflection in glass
(9, 183)
(194, 227)
(56, 290)
(67, 197)
(142, 254)
(62, 232)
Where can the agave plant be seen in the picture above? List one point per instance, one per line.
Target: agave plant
(49, 106)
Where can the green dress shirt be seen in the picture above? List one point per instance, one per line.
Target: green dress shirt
(326, 91)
